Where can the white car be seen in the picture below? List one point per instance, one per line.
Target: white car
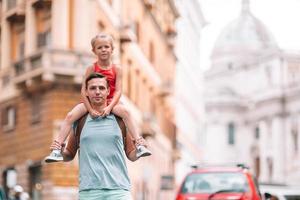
(282, 192)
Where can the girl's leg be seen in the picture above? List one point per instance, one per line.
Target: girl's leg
(121, 111)
(78, 111)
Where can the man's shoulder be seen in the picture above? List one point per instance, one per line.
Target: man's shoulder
(114, 117)
(120, 121)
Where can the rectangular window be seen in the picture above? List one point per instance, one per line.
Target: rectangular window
(35, 184)
(43, 25)
(231, 133)
(17, 40)
(6, 80)
(8, 118)
(36, 109)
(257, 133)
(295, 136)
(151, 53)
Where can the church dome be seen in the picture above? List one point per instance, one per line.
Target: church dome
(245, 36)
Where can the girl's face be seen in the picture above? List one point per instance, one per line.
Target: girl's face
(103, 49)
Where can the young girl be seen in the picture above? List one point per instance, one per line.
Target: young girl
(102, 46)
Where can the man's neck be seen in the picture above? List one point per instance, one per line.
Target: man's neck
(99, 108)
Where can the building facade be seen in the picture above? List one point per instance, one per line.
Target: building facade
(189, 86)
(252, 103)
(45, 48)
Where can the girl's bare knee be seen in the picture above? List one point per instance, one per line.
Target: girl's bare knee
(123, 112)
(69, 118)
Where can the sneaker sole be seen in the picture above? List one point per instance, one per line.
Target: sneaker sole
(51, 160)
(144, 154)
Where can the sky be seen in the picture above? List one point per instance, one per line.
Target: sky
(281, 17)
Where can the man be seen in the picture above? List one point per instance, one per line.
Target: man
(102, 168)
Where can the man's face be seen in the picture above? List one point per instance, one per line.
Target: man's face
(97, 91)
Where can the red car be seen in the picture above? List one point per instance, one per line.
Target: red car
(219, 183)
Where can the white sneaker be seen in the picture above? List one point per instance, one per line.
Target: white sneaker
(55, 156)
(142, 151)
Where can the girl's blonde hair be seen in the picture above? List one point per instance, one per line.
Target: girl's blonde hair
(102, 36)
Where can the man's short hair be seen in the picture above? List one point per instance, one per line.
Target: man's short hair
(95, 75)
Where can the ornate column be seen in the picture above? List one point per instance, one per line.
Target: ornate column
(30, 30)
(59, 24)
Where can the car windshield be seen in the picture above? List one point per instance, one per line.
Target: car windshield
(214, 182)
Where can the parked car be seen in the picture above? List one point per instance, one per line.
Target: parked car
(281, 192)
(211, 183)
(2, 194)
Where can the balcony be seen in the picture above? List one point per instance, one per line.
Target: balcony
(149, 4)
(41, 3)
(51, 65)
(15, 12)
(145, 67)
(166, 89)
(43, 39)
(171, 35)
(127, 34)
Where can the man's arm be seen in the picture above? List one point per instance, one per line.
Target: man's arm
(71, 149)
(130, 149)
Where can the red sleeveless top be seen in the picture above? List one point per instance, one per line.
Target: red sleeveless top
(111, 76)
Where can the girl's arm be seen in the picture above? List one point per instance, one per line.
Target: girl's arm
(118, 89)
(85, 99)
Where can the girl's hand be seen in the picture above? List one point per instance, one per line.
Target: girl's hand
(56, 145)
(106, 111)
(141, 141)
(94, 113)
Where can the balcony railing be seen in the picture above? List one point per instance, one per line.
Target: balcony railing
(166, 88)
(49, 64)
(43, 39)
(19, 67)
(149, 126)
(15, 11)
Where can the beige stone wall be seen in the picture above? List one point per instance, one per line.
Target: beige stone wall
(148, 63)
